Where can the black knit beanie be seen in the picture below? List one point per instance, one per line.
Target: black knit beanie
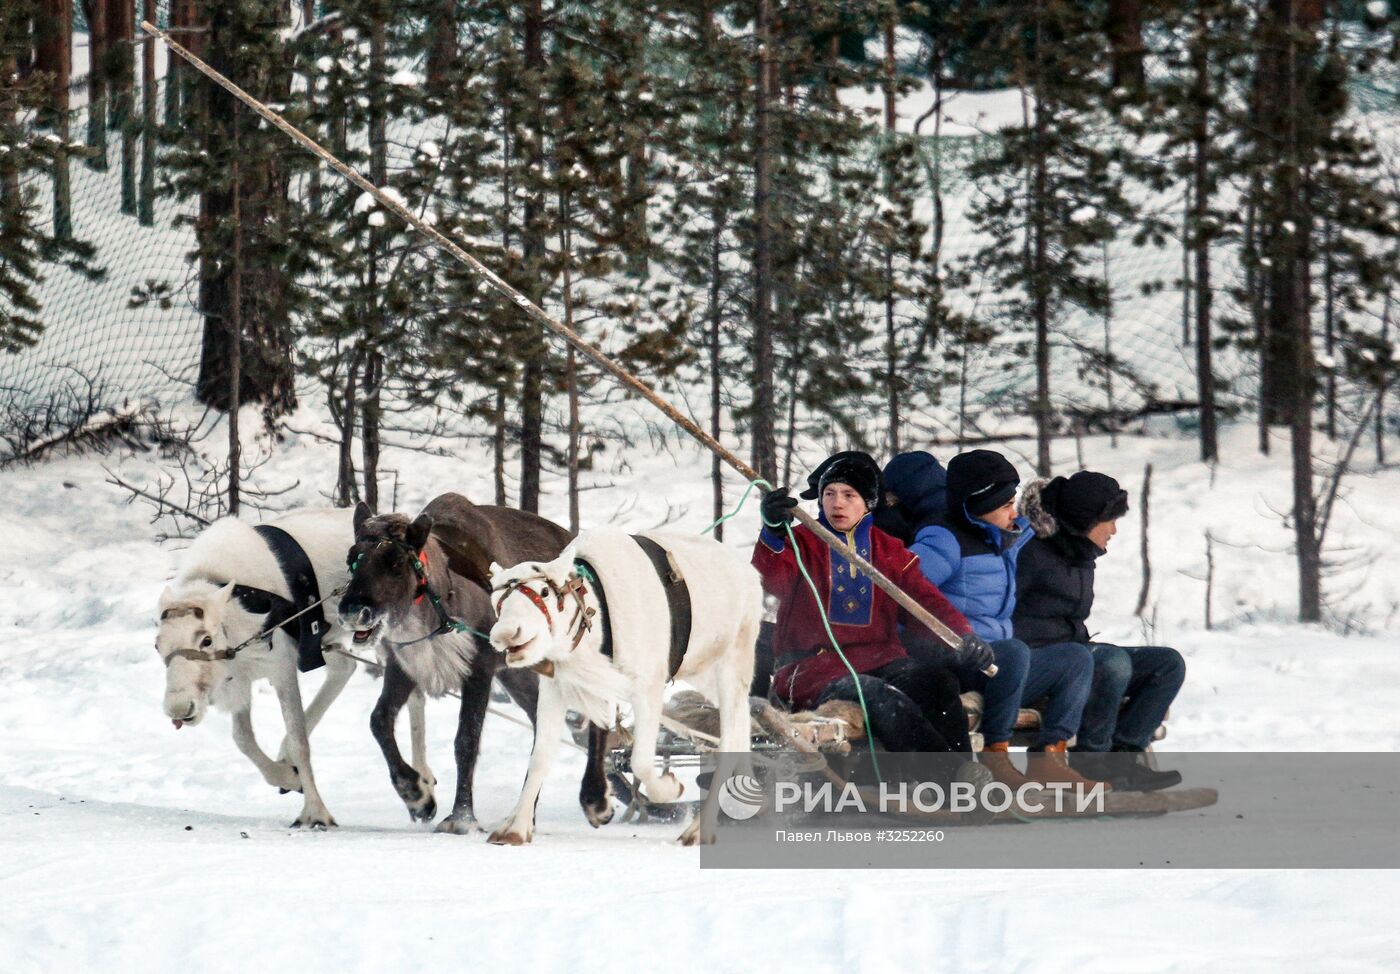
(980, 481)
(1083, 500)
(854, 468)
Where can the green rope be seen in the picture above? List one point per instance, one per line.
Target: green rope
(826, 623)
(737, 507)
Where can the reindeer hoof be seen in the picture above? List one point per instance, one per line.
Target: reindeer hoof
(418, 797)
(599, 813)
(694, 835)
(506, 837)
(316, 823)
(667, 789)
(458, 825)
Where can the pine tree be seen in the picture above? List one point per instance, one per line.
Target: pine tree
(1205, 54)
(707, 165)
(29, 244)
(376, 277)
(218, 151)
(1055, 191)
(1321, 213)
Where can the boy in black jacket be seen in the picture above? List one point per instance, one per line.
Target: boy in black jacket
(1074, 518)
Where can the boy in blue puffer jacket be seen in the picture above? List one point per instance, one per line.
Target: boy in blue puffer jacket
(964, 528)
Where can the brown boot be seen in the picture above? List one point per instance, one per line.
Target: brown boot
(1049, 765)
(996, 758)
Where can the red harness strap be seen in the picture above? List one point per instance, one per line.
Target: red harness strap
(421, 570)
(533, 596)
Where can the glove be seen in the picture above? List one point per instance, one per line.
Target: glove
(975, 653)
(776, 508)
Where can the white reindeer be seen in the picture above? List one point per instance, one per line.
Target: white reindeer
(201, 622)
(550, 617)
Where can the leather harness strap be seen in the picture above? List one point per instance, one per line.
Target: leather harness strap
(677, 598)
(306, 594)
(584, 576)
(586, 571)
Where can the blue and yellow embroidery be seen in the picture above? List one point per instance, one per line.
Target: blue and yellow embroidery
(852, 600)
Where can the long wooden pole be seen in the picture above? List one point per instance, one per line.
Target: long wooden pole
(539, 315)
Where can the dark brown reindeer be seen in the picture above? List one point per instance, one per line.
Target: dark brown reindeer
(418, 592)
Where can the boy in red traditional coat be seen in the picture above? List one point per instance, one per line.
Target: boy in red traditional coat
(912, 705)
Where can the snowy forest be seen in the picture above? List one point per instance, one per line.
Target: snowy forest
(769, 205)
(1149, 249)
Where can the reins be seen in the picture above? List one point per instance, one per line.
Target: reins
(205, 656)
(425, 590)
(574, 586)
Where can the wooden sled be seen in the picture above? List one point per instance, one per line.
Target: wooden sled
(837, 728)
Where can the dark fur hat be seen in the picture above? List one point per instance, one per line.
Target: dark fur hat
(1074, 504)
(853, 467)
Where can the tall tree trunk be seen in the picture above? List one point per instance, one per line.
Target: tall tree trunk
(345, 491)
(1040, 292)
(532, 378)
(378, 313)
(235, 332)
(1305, 524)
(498, 448)
(1108, 361)
(53, 55)
(96, 13)
(1124, 29)
(442, 47)
(174, 71)
(790, 444)
(1288, 51)
(1187, 250)
(1283, 25)
(715, 316)
(499, 430)
(761, 412)
(571, 364)
(571, 359)
(267, 375)
(1200, 237)
(314, 189)
(1380, 394)
(891, 335)
(146, 204)
(1254, 289)
(370, 422)
(121, 36)
(1329, 314)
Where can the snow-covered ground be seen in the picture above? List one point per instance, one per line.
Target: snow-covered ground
(130, 846)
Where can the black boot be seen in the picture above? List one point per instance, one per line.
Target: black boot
(1137, 776)
(1123, 769)
(1097, 766)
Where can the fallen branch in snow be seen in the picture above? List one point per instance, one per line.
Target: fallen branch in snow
(160, 501)
(107, 424)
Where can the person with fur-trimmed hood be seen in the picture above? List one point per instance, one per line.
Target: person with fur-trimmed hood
(968, 537)
(912, 706)
(1074, 518)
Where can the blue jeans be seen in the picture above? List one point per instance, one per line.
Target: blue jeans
(1149, 676)
(1001, 695)
(1063, 673)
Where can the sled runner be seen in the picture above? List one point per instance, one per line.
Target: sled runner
(837, 729)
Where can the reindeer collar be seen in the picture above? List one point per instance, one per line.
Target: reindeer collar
(420, 568)
(575, 587)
